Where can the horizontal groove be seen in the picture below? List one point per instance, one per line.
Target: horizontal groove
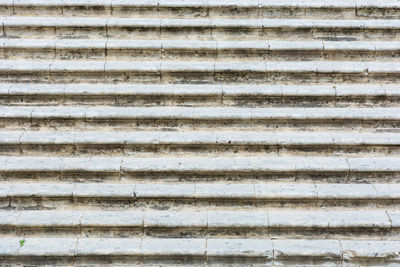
(197, 71)
(110, 117)
(204, 8)
(106, 143)
(202, 223)
(217, 3)
(200, 164)
(206, 29)
(197, 137)
(202, 250)
(201, 190)
(164, 49)
(196, 196)
(266, 95)
(197, 113)
(182, 90)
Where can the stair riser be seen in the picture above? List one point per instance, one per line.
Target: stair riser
(81, 124)
(199, 232)
(203, 33)
(196, 12)
(250, 176)
(203, 101)
(198, 54)
(196, 149)
(15, 124)
(195, 77)
(115, 203)
(108, 261)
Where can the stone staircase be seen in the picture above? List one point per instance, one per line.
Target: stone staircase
(199, 133)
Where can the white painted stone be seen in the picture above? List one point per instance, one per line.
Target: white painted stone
(9, 246)
(107, 218)
(289, 248)
(99, 44)
(108, 246)
(167, 191)
(34, 137)
(91, 165)
(31, 164)
(42, 189)
(173, 247)
(209, 191)
(189, 44)
(185, 23)
(387, 164)
(357, 90)
(137, 3)
(237, 23)
(358, 219)
(298, 219)
(15, 112)
(132, 66)
(134, 22)
(242, 45)
(24, 65)
(237, 219)
(308, 90)
(394, 217)
(240, 67)
(5, 189)
(285, 191)
(387, 191)
(322, 164)
(368, 249)
(239, 248)
(49, 218)
(98, 138)
(42, 112)
(346, 191)
(296, 45)
(133, 44)
(10, 137)
(9, 218)
(187, 66)
(115, 190)
(348, 46)
(220, 113)
(175, 219)
(142, 138)
(251, 90)
(182, 3)
(37, 89)
(48, 247)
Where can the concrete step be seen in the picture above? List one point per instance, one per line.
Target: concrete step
(96, 71)
(227, 223)
(80, 117)
(197, 252)
(201, 29)
(120, 49)
(203, 8)
(333, 169)
(71, 143)
(17, 195)
(265, 95)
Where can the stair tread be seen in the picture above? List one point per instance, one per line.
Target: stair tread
(199, 137)
(201, 190)
(210, 113)
(203, 218)
(267, 248)
(200, 164)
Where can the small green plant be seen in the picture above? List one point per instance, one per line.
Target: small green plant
(22, 242)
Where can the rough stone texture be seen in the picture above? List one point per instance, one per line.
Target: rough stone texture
(199, 133)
